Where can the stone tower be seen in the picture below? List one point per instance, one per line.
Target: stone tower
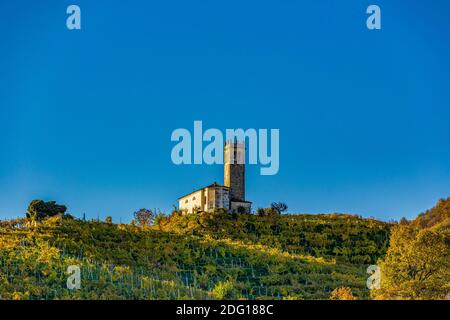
(234, 170)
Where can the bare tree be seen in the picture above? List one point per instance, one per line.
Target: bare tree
(279, 207)
(144, 217)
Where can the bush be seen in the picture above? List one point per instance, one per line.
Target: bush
(342, 293)
(224, 291)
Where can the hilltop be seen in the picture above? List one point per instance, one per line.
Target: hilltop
(201, 256)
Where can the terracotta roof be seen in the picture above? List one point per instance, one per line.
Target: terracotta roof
(215, 184)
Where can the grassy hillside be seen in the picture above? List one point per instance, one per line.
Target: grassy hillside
(200, 256)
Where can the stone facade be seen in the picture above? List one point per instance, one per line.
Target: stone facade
(234, 170)
(240, 206)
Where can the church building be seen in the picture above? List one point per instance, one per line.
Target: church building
(229, 196)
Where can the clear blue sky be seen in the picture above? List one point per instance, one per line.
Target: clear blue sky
(86, 116)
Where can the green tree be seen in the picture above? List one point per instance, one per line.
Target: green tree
(260, 212)
(224, 291)
(39, 209)
(417, 263)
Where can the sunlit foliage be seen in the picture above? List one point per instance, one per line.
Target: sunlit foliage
(417, 264)
(199, 256)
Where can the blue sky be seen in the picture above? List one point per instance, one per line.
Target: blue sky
(86, 116)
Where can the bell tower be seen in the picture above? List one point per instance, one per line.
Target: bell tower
(234, 169)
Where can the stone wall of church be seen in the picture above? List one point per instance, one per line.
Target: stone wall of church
(206, 199)
(193, 201)
(221, 199)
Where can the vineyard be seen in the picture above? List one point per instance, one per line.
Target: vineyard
(201, 256)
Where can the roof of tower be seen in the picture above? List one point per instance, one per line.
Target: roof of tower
(235, 142)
